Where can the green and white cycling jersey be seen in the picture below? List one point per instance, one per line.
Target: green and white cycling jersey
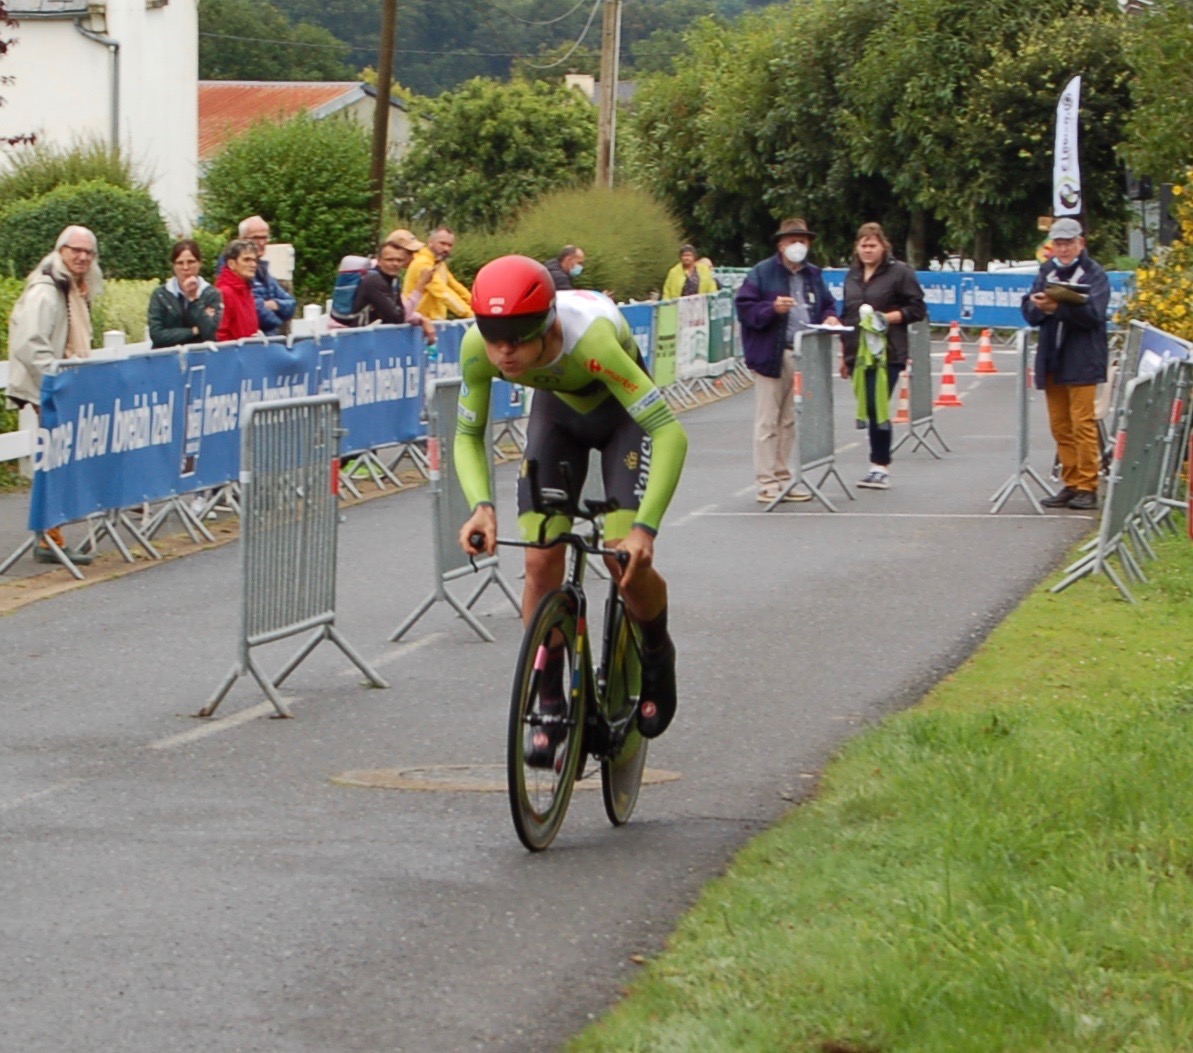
(598, 370)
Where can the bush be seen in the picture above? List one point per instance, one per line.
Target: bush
(629, 239)
(486, 150)
(123, 305)
(1164, 287)
(310, 180)
(133, 239)
(10, 291)
(37, 170)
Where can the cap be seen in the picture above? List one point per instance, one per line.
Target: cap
(404, 239)
(1065, 228)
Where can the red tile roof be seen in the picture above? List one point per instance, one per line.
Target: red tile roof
(229, 107)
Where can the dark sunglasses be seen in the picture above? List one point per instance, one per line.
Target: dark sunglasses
(514, 329)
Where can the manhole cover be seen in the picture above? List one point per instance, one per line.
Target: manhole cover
(466, 778)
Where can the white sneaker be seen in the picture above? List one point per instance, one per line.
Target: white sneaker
(876, 479)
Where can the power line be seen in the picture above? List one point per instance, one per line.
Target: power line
(570, 51)
(352, 47)
(528, 22)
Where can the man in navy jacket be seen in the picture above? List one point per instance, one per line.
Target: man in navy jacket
(780, 296)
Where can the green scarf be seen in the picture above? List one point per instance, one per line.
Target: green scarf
(871, 355)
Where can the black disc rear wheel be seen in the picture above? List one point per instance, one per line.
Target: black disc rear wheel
(621, 773)
(546, 723)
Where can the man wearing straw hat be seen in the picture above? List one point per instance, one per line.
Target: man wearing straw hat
(780, 296)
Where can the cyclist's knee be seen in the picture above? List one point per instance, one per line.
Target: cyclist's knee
(545, 567)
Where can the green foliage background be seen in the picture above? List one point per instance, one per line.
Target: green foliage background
(133, 240)
(485, 150)
(310, 180)
(36, 170)
(252, 40)
(628, 238)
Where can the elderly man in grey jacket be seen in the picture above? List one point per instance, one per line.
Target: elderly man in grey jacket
(50, 322)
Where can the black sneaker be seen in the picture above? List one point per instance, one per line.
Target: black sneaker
(44, 554)
(659, 697)
(1085, 500)
(542, 740)
(1060, 500)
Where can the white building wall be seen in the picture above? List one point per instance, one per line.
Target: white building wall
(62, 90)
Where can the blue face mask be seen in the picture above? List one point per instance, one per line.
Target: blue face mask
(576, 270)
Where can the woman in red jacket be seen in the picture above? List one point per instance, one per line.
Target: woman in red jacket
(235, 283)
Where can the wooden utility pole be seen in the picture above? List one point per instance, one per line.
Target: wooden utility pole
(607, 126)
(385, 82)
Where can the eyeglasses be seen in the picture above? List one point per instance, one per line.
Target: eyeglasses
(258, 237)
(78, 251)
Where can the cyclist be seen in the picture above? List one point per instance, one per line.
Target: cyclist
(592, 392)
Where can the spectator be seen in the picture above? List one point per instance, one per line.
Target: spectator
(235, 282)
(187, 309)
(379, 298)
(780, 296)
(442, 293)
(566, 267)
(275, 306)
(687, 277)
(51, 321)
(876, 278)
(705, 261)
(1071, 359)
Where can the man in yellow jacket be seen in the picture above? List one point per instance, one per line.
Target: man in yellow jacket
(443, 294)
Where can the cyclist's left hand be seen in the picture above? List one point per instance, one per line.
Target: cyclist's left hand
(639, 544)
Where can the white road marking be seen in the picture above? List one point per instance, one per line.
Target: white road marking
(706, 510)
(36, 795)
(908, 515)
(215, 726)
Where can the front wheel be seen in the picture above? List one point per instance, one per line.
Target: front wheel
(621, 772)
(546, 724)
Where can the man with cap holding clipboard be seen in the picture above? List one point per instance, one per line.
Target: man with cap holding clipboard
(1068, 302)
(780, 296)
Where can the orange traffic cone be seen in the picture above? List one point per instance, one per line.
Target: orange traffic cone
(955, 354)
(985, 355)
(904, 414)
(948, 387)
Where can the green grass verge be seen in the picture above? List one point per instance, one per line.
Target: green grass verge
(1007, 867)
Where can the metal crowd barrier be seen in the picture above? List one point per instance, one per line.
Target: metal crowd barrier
(815, 439)
(1146, 460)
(1023, 468)
(449, 511)
(921, 420)
(289, 457)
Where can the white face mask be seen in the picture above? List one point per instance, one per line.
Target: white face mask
(796, 252)
(576, 269)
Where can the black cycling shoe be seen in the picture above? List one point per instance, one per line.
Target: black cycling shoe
(659, 696)
(542, 740)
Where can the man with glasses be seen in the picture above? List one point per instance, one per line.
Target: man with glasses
(52, 321)
(275, 306)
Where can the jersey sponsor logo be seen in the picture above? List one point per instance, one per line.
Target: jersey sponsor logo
(465, 414)
(463, 389)
(599, 370)
(645, 402)
(643, 459)
(631, 460)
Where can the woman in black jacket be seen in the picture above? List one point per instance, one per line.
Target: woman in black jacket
(892, 289)
(187, 309)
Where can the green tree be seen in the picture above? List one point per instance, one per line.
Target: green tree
(252, 40)
(310, 180)
(482, 152)
(1159, 123)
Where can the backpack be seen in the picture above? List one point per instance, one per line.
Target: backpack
(343, 295)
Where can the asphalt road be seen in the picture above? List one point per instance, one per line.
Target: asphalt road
(171, 884)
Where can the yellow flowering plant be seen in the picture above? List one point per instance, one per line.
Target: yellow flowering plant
(1163, 294)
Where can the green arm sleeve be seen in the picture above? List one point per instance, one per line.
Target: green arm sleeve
(613, 356)
(472, 418)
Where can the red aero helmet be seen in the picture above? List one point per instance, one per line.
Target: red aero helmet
(513, 299)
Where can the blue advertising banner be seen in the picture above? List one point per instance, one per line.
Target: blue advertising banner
(378, 374)
(109, 433)
(640, 317)
(981, 298)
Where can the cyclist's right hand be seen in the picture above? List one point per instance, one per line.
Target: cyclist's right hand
(483, 524)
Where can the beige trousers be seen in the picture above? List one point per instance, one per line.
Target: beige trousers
(774, 427)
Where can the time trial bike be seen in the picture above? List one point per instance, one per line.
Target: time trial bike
(568, 705)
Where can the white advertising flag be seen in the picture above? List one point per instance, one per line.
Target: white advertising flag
(1066, 164)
